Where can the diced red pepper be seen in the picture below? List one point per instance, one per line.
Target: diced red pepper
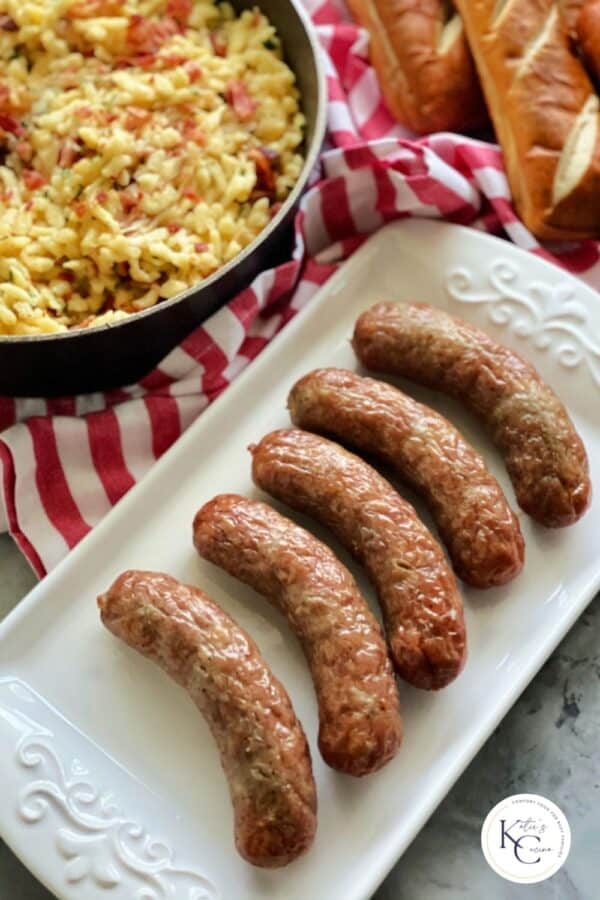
(172, 228)
(219, 44)
(192, 132)
(172, 59)
(200, 247)
(136, 117)
(236, 94)
(24, 151)
(265, 176)
(8, 24)
(179, 10)
(10, 124)
(69, 153)
(148, 36)
(33, 179)
(83, 112)
(101, 197)
(129, 201)
(81, 208)
(271, 154)
(194, 72)
(191, 194)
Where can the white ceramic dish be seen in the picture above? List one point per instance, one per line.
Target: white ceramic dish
(110, 784)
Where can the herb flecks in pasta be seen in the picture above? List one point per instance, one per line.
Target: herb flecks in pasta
(143, 144)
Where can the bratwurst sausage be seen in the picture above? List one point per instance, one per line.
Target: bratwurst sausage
(417, 591)
(544, 455)
(359, 717)
(263, 749)
(475, 521)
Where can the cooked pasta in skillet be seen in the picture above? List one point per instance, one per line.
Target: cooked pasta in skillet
(143, 144)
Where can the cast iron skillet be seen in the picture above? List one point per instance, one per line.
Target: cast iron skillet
(112, 355)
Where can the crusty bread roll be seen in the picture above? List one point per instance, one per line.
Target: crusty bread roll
(569, 10)
(423, 63)
(588, 31)
(545, 110)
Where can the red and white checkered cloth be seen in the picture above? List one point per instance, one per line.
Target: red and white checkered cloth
(67, 461)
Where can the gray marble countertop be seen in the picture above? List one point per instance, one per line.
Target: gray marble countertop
(547, 744)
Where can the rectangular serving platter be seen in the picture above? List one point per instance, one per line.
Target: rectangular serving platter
(110, 781)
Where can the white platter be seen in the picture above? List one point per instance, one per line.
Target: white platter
(110, 784)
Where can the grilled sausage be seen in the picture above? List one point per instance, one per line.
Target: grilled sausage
(359, 717)
(263, 749)
(417, 590)
(544, 455)
(475, 521)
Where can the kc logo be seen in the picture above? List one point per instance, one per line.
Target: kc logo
(526, 838)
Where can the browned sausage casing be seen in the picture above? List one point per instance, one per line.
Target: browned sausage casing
(359, 716)
(475, 521)
(544, 455)
(417, 590)
(263, 749)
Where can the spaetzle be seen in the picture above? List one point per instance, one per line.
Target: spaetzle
(143, 144)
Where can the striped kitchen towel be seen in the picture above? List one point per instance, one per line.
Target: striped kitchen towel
(66, 462)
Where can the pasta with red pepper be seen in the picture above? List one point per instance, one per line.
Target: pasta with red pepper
(143, 144)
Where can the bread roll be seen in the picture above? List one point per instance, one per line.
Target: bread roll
(423, 63)
(545, 110)
(588, 31)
